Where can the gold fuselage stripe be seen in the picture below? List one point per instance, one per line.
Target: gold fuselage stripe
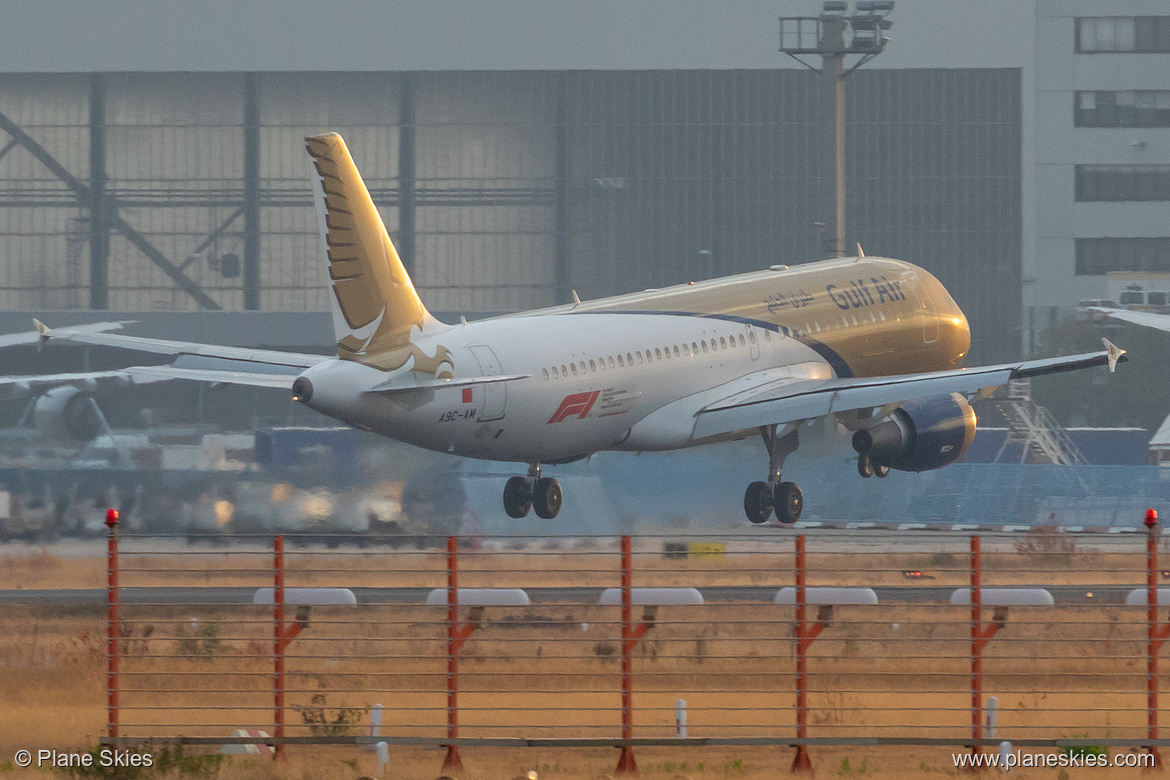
(866, 317)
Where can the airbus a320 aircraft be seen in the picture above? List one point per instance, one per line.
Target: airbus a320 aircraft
(872, 343)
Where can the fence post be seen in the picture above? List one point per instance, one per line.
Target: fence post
(452, 759)
(278, 643)
(801, 762)
(112, 625)
(626, 762)
(976, 648)
(1153, 640)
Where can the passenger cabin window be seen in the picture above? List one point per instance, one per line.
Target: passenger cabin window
(658, 353)
(610, 359)
(592, 366)
(545, 372)
(741, 341)
(629, 358)
(574, 367)
(704, 346)
(621, 362)
(676, 353)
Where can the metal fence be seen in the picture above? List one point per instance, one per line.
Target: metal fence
(1042, 638)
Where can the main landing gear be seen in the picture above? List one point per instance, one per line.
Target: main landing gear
(783, 498)
(867, 468)
(532, 492)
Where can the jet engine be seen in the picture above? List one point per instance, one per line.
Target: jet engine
(920, 435)
(68, 415)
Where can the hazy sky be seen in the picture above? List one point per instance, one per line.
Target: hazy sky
(263, 35)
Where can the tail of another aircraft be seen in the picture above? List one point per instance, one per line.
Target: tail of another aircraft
(376, 311)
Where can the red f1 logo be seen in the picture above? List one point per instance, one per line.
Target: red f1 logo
(577, 404)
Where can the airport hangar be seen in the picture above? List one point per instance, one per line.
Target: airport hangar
(152, 163)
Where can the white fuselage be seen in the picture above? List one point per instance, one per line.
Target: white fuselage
(592, 379)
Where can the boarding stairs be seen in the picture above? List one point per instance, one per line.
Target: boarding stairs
(1040, 437)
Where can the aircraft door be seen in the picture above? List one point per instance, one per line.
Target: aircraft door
(495, 394)
(753, 342)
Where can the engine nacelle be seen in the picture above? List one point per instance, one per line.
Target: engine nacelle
(66, 414)
(920, 435)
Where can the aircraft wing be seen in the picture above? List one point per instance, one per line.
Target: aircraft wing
(33, 336)
(776, 403)
(267, 357)
(1147, 318)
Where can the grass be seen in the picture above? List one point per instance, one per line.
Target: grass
(889, 670)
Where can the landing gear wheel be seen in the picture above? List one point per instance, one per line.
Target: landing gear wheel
(881, 471)
(517, 497)
(757, 502)
(788, 502)
(865, 466)
(546, 498)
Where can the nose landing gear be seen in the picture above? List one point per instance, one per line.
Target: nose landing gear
(532, 492)
(783, 498)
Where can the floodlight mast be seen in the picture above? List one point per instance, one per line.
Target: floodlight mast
(826, 35)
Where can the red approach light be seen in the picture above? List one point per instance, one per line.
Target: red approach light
(111, 517)
(912, 575)
(1151, 518)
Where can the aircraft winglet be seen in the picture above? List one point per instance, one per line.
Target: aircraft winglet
(45, 333)
(1115, 353)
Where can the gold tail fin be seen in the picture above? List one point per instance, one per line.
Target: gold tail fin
(376, 307)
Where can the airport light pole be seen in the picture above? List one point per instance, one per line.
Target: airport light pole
(836, 35)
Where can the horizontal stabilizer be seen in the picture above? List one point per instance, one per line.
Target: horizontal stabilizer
(279, 381)
(390, 386)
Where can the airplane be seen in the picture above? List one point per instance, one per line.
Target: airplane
(872, 344)
(1147, 319)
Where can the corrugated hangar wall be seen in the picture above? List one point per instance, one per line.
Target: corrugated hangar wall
(505, 190)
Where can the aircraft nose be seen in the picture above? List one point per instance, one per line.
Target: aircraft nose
(958, 336)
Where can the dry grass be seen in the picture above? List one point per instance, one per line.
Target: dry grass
(247, 566)
(891, 670)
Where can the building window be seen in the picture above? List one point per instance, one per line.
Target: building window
(1140, 34)
(1099, 256)
(1122, 182)
(1126, 108)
